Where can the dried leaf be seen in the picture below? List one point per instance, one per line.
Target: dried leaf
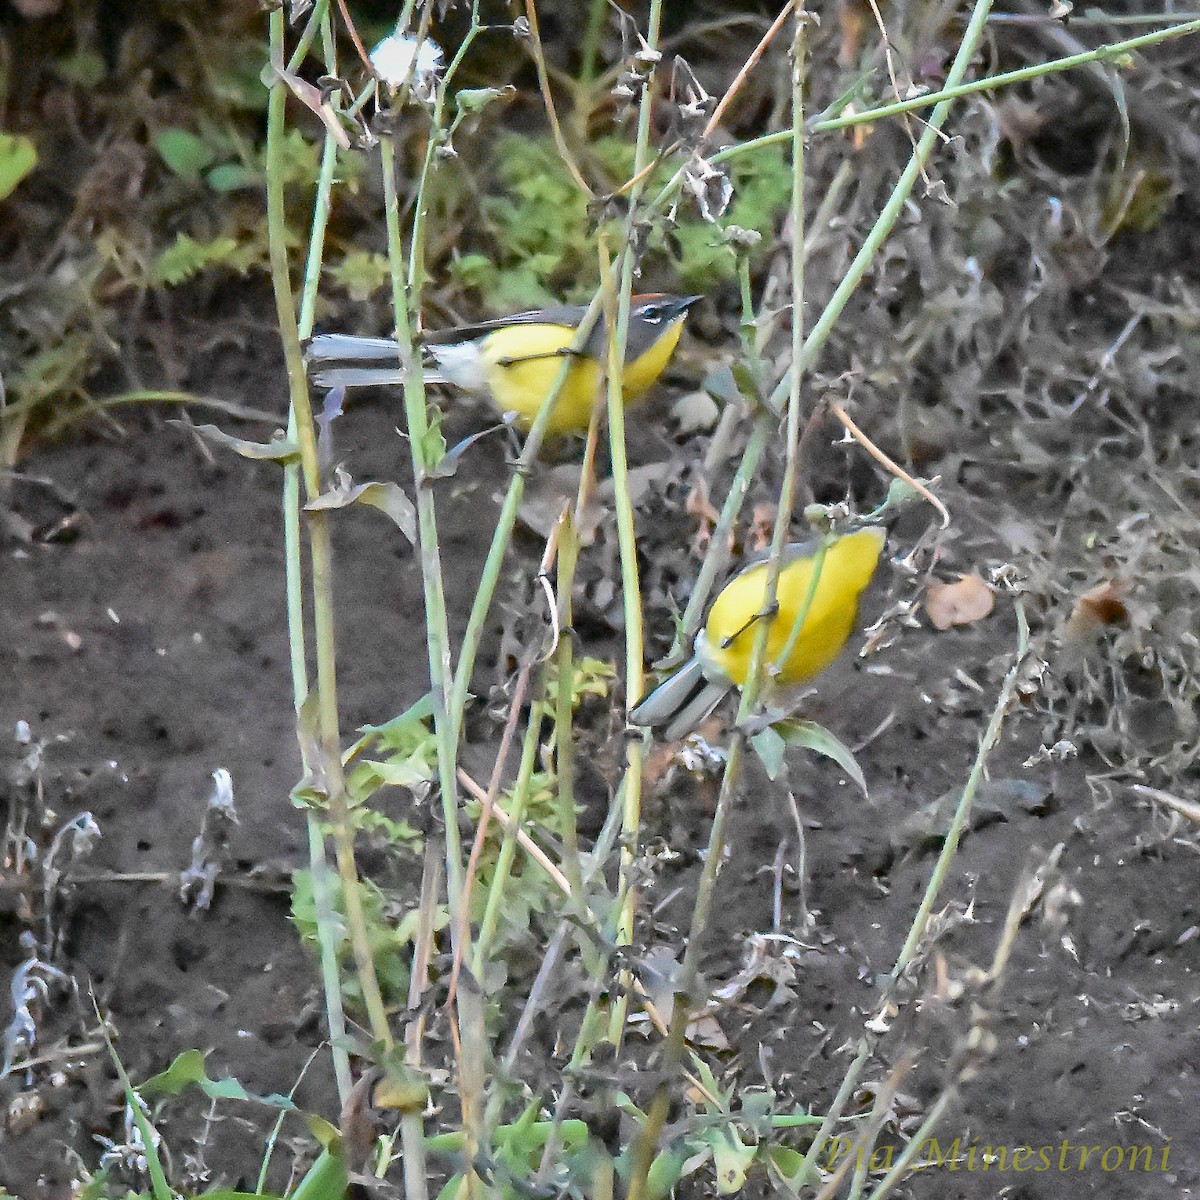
(961, 603)
(818, 739)
(280, 449)
(1097, 607)
(695, 412)
(762, 526)
(387, 497)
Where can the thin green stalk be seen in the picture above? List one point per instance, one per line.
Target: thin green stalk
(318, 19)
(802, 613)
(787, 490)
(645, 1145)
(436, 624)
(320, 547)
(407, 285)
(717, 554)
(956, 90)
(952, 91)
(850, 1080)
(647, 1141)
(623, 504)
(1093, 16)
(564, 727)
(506, 521)
(963, 811)
(918, 1139)
(508, 846)
(318, 866)
(589, 49)
(891, 210)
(316, 240)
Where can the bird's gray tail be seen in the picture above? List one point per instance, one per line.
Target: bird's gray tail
(340, 360)
(681, 701)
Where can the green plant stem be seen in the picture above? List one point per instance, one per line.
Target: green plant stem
(626, 537)
(591, 1029)
(564, 728)
(507, 519)
(952, 91)
(787, 491)
(320, 548)
(318, 866)
(918, 1139)
(647, 1140)
(508, 845)
(589, 50)
(956, 90)
(717, 554)
(1093, 16)
(407, 287)
(887, 219)
(844, 1093)
(963, 811)
(318, 19)
(645, 1144)
(316, 241)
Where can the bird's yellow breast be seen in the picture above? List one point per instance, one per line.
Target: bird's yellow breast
(846, 569)
(521, 363)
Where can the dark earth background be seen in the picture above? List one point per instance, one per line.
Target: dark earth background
(144, 642)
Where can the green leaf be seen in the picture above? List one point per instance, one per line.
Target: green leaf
(816, 737)
(18, 156)
(233, 177)
(398, 774)
(731, 1158)
(186, 257)
(158, 1178)
(474, 270)
(410, 721)
(85, 68)
(474, 99)
(279, 449)
(361, 274)
(454, 1188)
(769, 746)
(186, 1069)
(665, 1172)
(225, 1194)
(184, 152)
(788, 1163)
(328, 1134)
(230, 1089)
(327, 1179)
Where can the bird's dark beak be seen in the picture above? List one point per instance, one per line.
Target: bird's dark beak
(683, 304)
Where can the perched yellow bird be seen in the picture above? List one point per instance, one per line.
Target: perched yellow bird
(513, 361)
(721, 653)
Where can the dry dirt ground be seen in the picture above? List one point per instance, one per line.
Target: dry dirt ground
(147, 649)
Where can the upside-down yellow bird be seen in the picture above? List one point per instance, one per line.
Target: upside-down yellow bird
(721, 652)
(513, 361)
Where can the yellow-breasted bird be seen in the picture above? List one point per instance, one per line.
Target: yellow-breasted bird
(721, 652)
(513, 361)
